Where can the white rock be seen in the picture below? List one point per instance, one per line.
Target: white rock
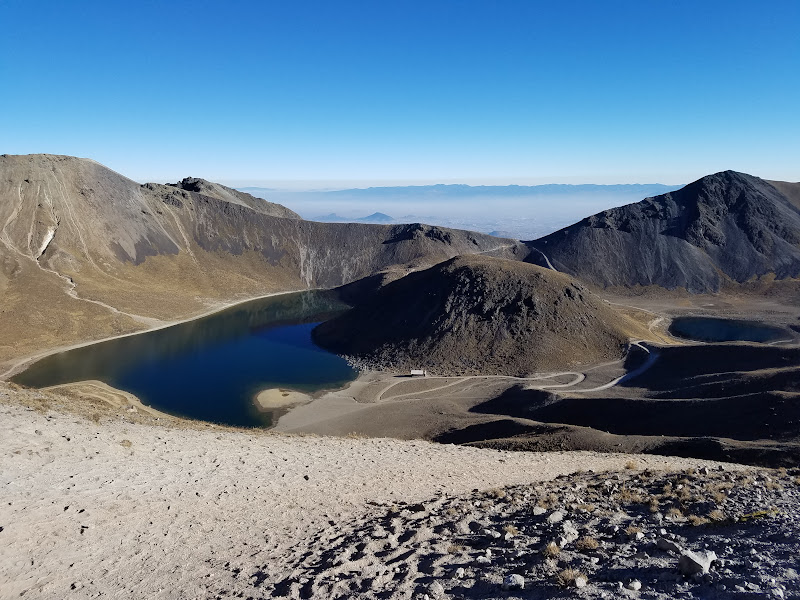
(513, 582)
(580, 582)
(436, 590)
(460, 573)
(635, 585)
(569, 534)
(538, 510)
(692, 563)
(555, 517)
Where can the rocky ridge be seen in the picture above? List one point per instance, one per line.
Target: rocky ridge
(725, 227)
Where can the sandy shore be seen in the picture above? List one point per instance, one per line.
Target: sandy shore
(91, 507)
(272, 398)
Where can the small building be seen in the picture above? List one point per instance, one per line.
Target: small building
(419, 373)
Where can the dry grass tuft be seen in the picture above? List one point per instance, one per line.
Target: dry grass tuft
(629, 496)
(697, 521)
(567, 577)
(551, 550)
(631, 530)
(587, 543)
(126, 443)
(717, 515)
(631, 465)
(511, 530)
(674, 513)
(497, 493)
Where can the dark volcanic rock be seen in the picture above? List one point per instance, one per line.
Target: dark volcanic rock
(475, 314)
(727, 225)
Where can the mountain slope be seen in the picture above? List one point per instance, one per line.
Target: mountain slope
(476, 315)
(86, 252)
(726, 226)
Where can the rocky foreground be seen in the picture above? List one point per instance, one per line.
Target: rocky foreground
(636, 533)
(101, 502)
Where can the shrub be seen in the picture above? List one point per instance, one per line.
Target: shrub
(717, 515)
(587, 543)
(674, 513)
(567, 577)
(551, 550)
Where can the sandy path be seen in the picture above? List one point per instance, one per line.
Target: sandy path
(141, 511)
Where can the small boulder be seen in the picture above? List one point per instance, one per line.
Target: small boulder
(435, 590)
(555, 517)
(513, 582)
(569, 534)
(635, 585)
(694, 563)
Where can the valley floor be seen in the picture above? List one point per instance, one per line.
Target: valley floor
(112, 502)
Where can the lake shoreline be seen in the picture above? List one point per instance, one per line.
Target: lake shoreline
(23, 363)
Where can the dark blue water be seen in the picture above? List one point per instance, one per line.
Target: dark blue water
(709, 329)
(212, 368)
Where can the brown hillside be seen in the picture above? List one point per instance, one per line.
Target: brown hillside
(86, 253)
(480, 315)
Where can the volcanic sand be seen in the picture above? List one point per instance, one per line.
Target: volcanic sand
(174, 509)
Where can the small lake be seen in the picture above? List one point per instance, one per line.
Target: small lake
(710, 329)
(212, 368)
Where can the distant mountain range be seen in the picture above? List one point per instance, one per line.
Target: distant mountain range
(374, 218)
(518, 211)
(461, 190)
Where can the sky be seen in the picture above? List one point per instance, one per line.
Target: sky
(352, 93)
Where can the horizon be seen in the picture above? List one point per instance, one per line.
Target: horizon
(418, 93)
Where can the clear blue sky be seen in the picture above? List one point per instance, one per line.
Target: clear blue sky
(457, 90)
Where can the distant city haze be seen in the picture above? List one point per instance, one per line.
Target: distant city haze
(520, 212)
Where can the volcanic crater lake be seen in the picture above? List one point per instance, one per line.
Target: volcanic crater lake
(212, 368)
(714, 329)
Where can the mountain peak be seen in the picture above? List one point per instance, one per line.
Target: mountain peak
(727, 225)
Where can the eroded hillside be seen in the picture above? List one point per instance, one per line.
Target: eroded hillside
(86, 253)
